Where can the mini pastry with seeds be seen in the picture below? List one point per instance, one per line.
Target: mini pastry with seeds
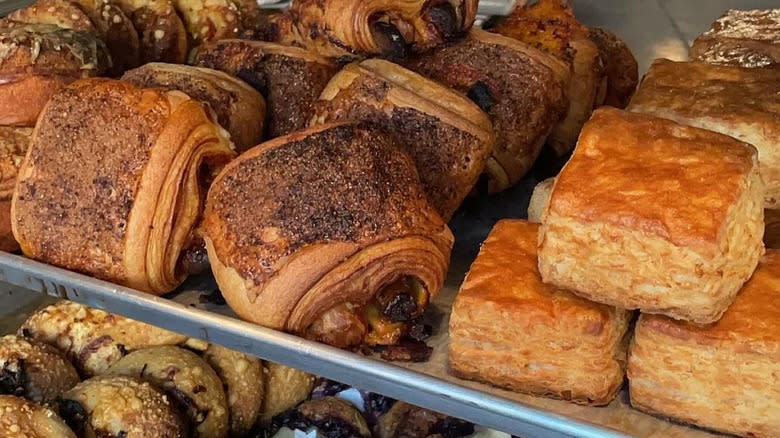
(20, 418)
(34, 370)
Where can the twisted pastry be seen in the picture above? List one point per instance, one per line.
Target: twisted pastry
(308, 233)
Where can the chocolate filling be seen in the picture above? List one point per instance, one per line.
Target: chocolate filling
(389, 39)
(445, 19)
(480, 94)
(74, 415)
(13, 381)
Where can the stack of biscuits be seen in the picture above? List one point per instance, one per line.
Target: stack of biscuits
(660, 210)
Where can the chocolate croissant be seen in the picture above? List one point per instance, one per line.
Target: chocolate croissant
(447, 135)
(327, 233)
(359, 28)
(112, 185)
(522, 89)
(290, 78)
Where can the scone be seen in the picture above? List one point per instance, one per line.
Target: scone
(740, 102)
(509, 329)
(724, 376)
(652, 215)
(747, 38)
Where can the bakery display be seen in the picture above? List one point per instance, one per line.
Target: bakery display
(654, 215)
(187, 380)
(292, 250)
(291, 79)
(34, 370)
(114, 406)
(24, 419)
(721, 376)
(447, 135)
(91, 338)
(357, 28)
(239, 108)
(509, 329)
(522, 89)
(86, 205)
(746, 38)
(740, 102)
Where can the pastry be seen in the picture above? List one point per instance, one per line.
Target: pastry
(13, 147)
(328, 416)
(620, 66)
(358, 28)
(539, 199)
(93, 339)
(404, 420)
(118, 406)
(185, 378)
(320, 251)
(24, 419)
(509, 329)
(209, 20)
(244, 383)
(772, 229)
(652, 215)
(291, 79)
(550, 25)
(239, 108)
(746, 38)
(38, 60)
(61, 13)
(106, 160)
(446, 134)
(522, 89)
(161, 32)
(285, 388)
(34, 370)
(722, 376)
(735, 101)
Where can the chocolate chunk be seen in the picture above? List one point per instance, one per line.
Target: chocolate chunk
(13, 381)
(480, 94)
(389, 38)
(419, 331)
(407, 352)
(400, 308)
(444, 18)
(375, 405)
(450, 427)
(74, 415)
(194, 258)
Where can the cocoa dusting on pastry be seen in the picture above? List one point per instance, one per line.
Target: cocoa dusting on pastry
(366, 181)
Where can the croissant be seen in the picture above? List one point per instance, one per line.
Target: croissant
(522, 89)
(447, 135)
(113, 182)
(358, 28)
(290, 78)
(239, 108)
(326, 233)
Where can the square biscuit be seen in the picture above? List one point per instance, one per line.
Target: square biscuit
(653, 215)
(743, 103)
(724, 376)
(509, 329)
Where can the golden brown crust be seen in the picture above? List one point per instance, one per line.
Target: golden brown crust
(209, 20)
(717, 376)
(121, 406)
(739, 102)
(620, 65)
(521, 88)
(115, 28)
(288, 243)
(13, 147)
(503, 300)
(161, 32)
(447, 135)
(92, 214)
(185, 378)
(93, 339)
(61, 13)
(34, 370)
(291, 79)
(20, 418)
(357, 28)
(654, 215)
(239, 108)
(32, 89)
(745, 38)
(285, 388)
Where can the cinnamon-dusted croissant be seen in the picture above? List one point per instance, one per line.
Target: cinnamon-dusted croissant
(38, 60)
(113, 183)
(13, 147)
(522, 89)
(290, 78)
(357, 28)
(447, 135)
(239, 108)
(312, 232)
(162, 34)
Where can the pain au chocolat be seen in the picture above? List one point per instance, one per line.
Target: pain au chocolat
(522, 89)
(114, 181)
(290, 78)
(446, 134)
(649, 214)
(239, 108)
(327, 233)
